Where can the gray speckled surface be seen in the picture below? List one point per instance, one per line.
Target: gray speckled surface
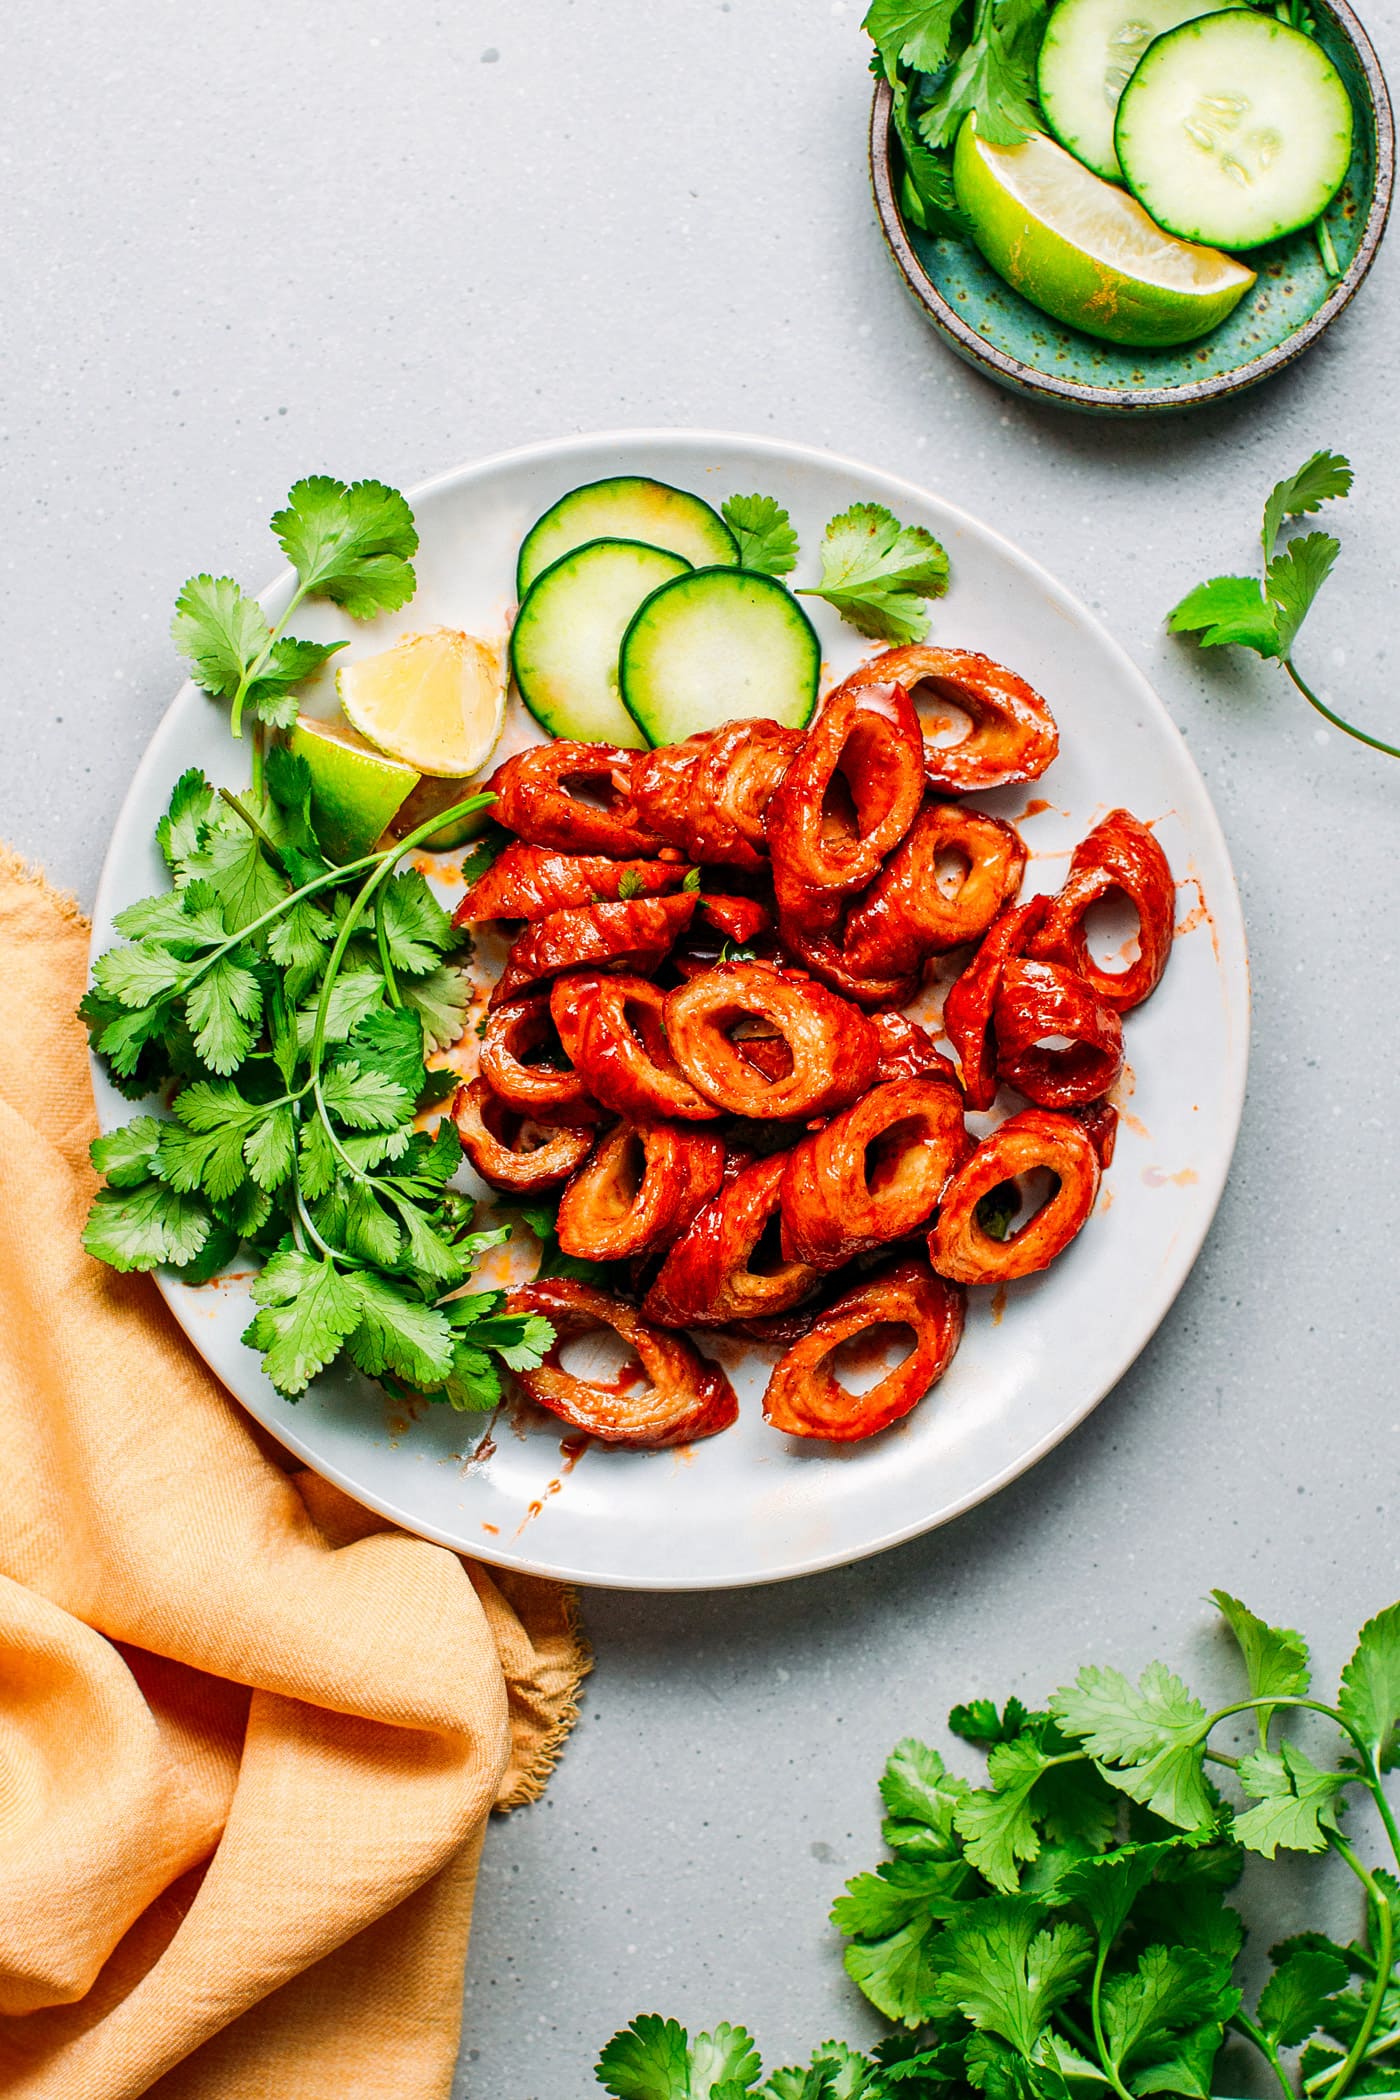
(255, 241)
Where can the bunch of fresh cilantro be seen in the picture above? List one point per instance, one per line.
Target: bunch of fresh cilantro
(875, 571)
(1063, 1931)
(284, 1007)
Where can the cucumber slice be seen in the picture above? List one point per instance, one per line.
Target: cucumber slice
(715, 646)
(1234, 130)
(1087, 58)
(629, 507)
(563, 648)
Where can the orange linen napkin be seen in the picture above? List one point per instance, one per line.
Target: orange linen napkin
(249, 1733)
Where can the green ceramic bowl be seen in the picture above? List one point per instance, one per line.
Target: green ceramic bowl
(1014, 343)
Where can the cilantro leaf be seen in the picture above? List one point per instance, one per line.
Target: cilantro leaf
(270, 1148)
(521, 1340)
(876, 1905)
(440, 1001)
(900, 1975)
(189, 918)
(1294, 578)
(238, 872)
(350, 543)
(1007, 1974)
(139, 973)
(307, 1309)
(876, 572)
(1295, 2000)
(127, 1155)
(921, 1796)
(992, 79)
(389, 1040)
(143, 1226)
(1107, 1888)
(219, 632)
(399, 1333)
(288, 664)
(767, 542)
(650, 2060)
(224, 1009)
(979, 1722)
(1171, 1989)
(1319, 480)
(1275, 1658)
(1228, 609)
(180, 831)
(1370, 1693)
(996, 1824)
(725, 2057)
(417, 929)
(363, 1100)
(1147, 1739)
(914, 33)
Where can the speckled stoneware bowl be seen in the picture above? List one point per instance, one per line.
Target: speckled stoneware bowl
(1010, 340)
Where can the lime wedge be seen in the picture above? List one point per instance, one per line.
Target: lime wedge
(1086, 252)
(354, 790)
(436, 701)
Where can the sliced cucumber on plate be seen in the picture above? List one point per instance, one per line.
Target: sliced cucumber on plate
(627, 507)
(1234, 130)
(567, 634)
(1089, 53)
(714, 646)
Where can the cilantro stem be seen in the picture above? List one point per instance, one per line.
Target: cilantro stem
(331, 1253)
(1347, 728)
(1096, 2015)
(1380, 2047)
(386, 961)
(1327, 254)
(260, 663)
(1351, 2062)
(1265, 2047)
(240, 809)
(326, 881)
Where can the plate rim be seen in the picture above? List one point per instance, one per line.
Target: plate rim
(1226, 911)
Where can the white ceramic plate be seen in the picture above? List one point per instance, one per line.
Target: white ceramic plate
(753, 1506)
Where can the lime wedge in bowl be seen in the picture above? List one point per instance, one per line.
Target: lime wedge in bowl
(1086, 252)
(355, 790)
(435, 701)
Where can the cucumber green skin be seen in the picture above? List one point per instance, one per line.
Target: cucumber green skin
(547, 614)
(626, 507)
(738, 596)
(1178, 215)
(1062, 34)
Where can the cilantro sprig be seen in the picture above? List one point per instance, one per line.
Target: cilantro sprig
(1065, 1928)
(284, 1009)
(350, 542)
(1266, 614)
(876, 572)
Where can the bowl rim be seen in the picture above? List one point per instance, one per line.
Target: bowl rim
(1029, 379)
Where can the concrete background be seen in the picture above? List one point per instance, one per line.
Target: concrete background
(250, 241)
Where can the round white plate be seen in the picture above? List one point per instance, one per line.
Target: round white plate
(753, 1506)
